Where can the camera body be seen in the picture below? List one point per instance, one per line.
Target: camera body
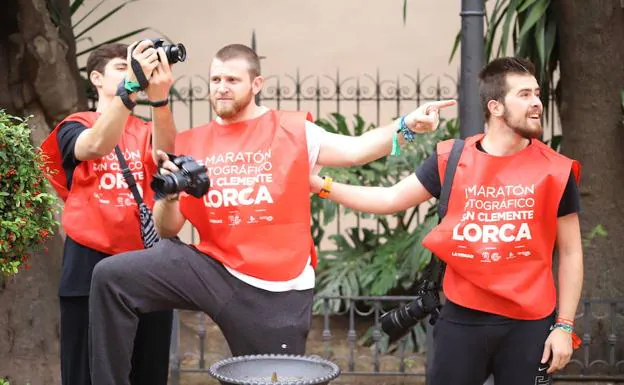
(191, 178)
(175, 52)
(398, 322)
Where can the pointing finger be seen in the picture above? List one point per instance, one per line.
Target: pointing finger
(437, 105)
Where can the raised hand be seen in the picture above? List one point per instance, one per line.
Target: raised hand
(161, 80)
(146, 55)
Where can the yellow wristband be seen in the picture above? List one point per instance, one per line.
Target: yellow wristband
(326, 189)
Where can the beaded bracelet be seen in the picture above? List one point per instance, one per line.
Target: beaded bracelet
(564, 327)
(408, 134)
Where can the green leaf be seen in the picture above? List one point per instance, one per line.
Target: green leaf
(75, 5)
(95, 7)
(549, 41)
(104, 18)
(525, 4)
(491, 30)
(535, 13)
(404, 11)
(510, 11)
(114, 40)
(540, 44)
(455, 46)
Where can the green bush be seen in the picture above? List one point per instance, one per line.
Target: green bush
(27, 210)
(371, 262)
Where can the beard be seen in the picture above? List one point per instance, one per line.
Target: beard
(524, 126)
(232, 107)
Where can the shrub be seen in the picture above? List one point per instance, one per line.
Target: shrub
(27, 210)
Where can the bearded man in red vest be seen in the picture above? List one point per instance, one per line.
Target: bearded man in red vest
(252, 270)
(512, 200)
(100, 216)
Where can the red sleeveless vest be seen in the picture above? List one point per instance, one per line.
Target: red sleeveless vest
(499, 232)
(256, 217)
(100, 211)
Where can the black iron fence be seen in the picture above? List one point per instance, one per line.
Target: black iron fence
(375, 97)
(352, 338)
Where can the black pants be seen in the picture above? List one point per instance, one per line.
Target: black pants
(150, 360)
(467, 354)
(174, 275)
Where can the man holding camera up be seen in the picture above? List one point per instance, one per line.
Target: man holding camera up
(252, 271)
(512, 200)
(100, 216)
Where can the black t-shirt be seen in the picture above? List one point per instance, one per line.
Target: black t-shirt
(78, 260)
(429, 175)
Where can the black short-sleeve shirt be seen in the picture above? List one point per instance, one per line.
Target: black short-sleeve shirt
(78, 260)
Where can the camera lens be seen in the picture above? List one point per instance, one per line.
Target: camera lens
(397, 322)
(176, 53)
(165, 184)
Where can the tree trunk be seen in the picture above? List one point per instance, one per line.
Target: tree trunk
(591, 34)
(38, 77)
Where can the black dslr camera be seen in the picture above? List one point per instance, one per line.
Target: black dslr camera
(174, 52)
(191, 178)
(398, 322)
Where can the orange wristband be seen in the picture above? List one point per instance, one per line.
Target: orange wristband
(326, 189)
(564, 321)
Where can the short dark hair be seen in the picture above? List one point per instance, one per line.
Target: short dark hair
(493, 78)
(240, 51)
(99, 58)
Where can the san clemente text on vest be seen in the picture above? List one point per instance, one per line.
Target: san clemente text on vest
(115, 179)
(483, 205)
(232, 170)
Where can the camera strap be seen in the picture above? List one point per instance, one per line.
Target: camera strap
(148, 229)
(434, 271)
(138, 73)
(449, 175)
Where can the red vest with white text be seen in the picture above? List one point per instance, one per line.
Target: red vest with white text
(100, 211)
(255, 218)
(499, 232)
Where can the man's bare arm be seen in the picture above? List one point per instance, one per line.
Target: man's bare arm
(570, 275)
(409, 192)
(346, 151)
(101, 139)
(163, 136)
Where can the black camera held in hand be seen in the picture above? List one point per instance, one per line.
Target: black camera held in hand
(398, 322)
(191, 178)
(175, 52)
